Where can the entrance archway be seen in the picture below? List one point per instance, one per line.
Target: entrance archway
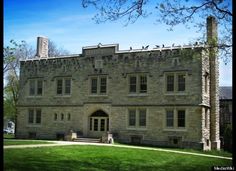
(98, 123)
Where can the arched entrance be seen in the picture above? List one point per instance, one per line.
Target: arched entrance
(98, 123)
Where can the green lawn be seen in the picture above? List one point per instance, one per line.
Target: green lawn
(210, 152)
(24, 142)
(9, 136)
(73, 158)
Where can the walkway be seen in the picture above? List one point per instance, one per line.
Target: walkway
(63, 143)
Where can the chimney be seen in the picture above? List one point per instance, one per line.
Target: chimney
(214, 82)
(42, 47)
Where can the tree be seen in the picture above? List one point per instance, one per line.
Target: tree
(53, 50)
(171, 13)
(11, 68)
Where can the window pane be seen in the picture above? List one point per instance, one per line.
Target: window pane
(94, 85)
(181, 118)
(132, 117)
(170, 118)
(181, 82)
(132, 84)
(62, 116)
(206, 82)
(31, 116)
(68, 116)
(95, 126)
(103, 87)
(91, 122)
(67, 86)
(107, 124)
(142, 117)
(59, 87)
(143, 84)
(32, 87)
(55, 116)
(170, 83)
(102, 125)
(38, 116)
(40, 87)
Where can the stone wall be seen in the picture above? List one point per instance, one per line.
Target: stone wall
(117, 67)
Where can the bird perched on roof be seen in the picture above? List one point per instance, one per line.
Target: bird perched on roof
(157, 46)
(163, 45)
(130, 48)
(142, 47)
(173, 45)
(147, 47)
(196, 43)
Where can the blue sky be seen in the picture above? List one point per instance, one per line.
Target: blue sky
(71, 27)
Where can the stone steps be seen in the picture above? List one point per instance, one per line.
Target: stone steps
(88, 140)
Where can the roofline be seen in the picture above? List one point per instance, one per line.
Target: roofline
(117, 51)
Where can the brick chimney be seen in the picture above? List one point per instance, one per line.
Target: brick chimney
(212, 40)
(42, 47)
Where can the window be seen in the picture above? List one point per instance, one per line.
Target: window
(59, 87)
(91, 126)
(32, 87)
(181, 118)
(63, 86)
(55, 116)
(99, 85)
(169, 118)
(38, 116)
(40, 87)
(132, 115)
(94, 86)
(35, 87)
(170, 83)
(67, 86)
(137, 118)
(143, 84)
(175, 119)
(103, 87)
(34, 116)
(62, 116)
(181, 82)
(68, 116)
(206, 82)
(132, 83)
(138, 84)
(142, 117)
(175, 82)
(31, 116)
(95, 128)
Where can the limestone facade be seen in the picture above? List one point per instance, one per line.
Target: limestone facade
(160, 96)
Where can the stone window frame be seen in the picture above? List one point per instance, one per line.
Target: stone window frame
(138, 83)
(175, 126)
(35, 82)
(99, 85)
(36, 117)
(206, 82)
(137, 118)
(63, 94)
(62, 117)
(176, 75)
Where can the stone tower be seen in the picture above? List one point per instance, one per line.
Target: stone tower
(42, 47)
(214, 82)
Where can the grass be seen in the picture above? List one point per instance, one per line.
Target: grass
(24, 142)
(210, 152)
(73, 158)
(9, 136)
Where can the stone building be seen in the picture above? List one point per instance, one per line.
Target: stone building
(165, 96)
